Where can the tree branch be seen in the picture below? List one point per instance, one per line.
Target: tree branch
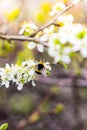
(31, 37)
(62, 82)
(52, 22)
(20, 38)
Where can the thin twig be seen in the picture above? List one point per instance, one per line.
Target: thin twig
(52, 22)
(20, 38)
(66, 81)
(26, 121)
(31, 37)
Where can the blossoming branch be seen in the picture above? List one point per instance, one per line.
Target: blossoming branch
(20, 74)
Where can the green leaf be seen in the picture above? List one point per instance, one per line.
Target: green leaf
(64, 65)
(48, 72)
(4, 126)
(59, 108)
(54, 90)
(81, 34)
(56, 41)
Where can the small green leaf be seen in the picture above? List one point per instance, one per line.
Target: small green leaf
(54, 90)
(4, 126)
(48, 72)
(64, 65)
(56, 41)
(81, 34)
(59, 108)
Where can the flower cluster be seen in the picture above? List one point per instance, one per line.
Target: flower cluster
(22, 74)
(63, 41)
(68, 39)
(27, 28)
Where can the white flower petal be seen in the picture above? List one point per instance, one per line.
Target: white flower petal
(31, 45)
(33, 83)
(7, 84)
(31, 72)
(40, 48)
(44, 38)
(32, 25)
(66, 59)
(20, 87)
(84, 52)
(21, 31)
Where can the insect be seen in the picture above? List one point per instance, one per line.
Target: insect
(42, 68)
(39, 67)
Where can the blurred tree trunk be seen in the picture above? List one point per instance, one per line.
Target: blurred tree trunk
(76, 105)
(3, 104)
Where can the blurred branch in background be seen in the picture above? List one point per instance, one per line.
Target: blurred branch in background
(35, 114)
(76, 104)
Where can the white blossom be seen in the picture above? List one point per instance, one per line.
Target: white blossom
(67, 39)
(33, 83)
(20, 86)
(47, 66)
(48, 31)
(66, 19)
(27, 27)
(44, 37)
(39, 47)
(31, 45)
(57, 7)
(28, 63)
(20, 74)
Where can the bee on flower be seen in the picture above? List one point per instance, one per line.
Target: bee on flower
(28, 71)
(43, 68)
